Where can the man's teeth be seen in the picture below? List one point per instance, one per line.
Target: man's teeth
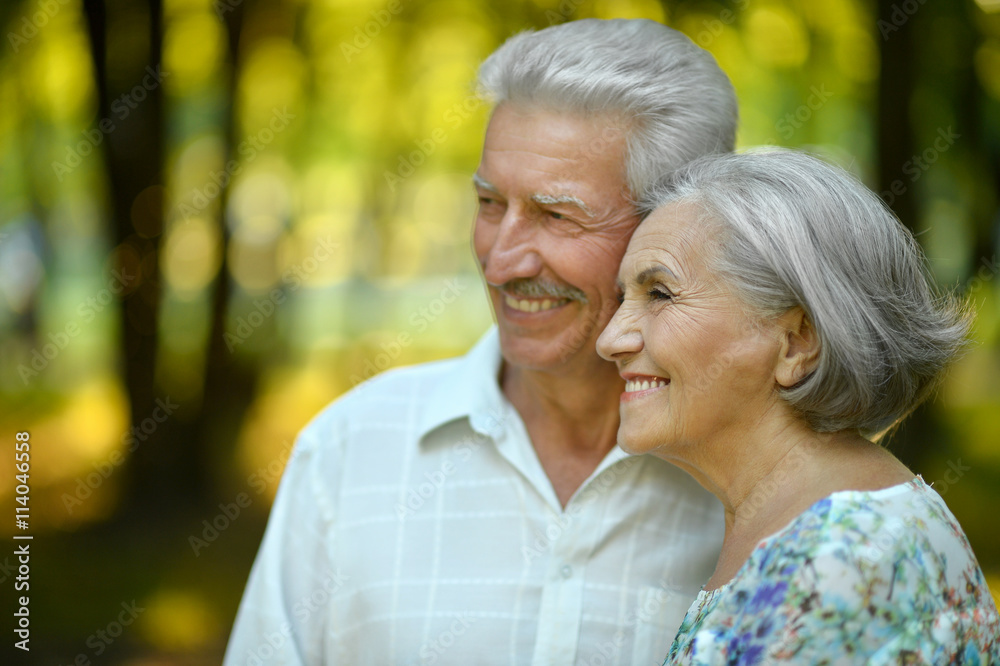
(642, 385)
(531, 306)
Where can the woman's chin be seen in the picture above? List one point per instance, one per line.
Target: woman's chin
(644, 439)
(635, 446)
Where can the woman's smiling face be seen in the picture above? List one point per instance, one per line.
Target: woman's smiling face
(698, 368)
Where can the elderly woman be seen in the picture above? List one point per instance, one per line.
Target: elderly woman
(775, 317)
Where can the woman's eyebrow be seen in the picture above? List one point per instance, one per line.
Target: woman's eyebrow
(644, 276)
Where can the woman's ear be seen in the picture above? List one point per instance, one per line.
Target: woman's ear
(799, 350)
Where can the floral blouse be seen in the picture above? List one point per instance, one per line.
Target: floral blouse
(880, 577)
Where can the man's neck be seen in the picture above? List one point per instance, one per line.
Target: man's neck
(572, 419)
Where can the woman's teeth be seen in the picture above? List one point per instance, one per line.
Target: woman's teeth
(643, 384)
(532, 306)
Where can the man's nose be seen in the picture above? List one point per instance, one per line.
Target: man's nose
(514, 252)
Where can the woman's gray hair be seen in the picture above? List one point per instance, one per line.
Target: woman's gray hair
(673, 100)
(796, 231)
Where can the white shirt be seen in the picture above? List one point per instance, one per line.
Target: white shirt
(415, 525)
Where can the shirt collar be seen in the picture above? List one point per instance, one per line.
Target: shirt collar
(472, 391)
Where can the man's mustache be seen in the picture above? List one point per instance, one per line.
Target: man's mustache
(534, 288)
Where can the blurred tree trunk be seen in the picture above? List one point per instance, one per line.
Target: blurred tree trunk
(895, 130)
(972, 104)
(126, 49)
(173, 464)
(950, 100)
(895, 144)
(230, 381)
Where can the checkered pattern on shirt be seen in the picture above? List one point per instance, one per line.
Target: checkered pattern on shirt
(415, 525)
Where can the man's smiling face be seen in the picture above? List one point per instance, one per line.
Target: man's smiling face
(553, 223)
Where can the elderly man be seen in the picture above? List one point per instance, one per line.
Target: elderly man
(476, 510)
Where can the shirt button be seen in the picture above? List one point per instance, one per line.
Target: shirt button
(566, 571)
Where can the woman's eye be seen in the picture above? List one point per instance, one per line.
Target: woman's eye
(659, 294)
(620, 297)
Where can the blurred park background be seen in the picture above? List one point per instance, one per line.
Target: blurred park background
(218, 215)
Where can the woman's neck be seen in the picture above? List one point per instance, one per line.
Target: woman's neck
(790, 474)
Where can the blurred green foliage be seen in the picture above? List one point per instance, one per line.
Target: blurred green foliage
(218, 215)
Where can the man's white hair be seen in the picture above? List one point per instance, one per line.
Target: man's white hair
(669, 96)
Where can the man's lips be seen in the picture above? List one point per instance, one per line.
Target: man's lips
(637, 386)
(522, 304)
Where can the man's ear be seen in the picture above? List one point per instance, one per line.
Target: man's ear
(799, 350)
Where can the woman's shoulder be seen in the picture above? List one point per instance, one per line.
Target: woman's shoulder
(875, 528)
(882, 576)
(871, 537)
(883, 566)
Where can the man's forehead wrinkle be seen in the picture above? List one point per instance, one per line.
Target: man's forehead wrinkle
(562, 183)
(551, 166)
(529, 133)
(557, 145)
(549, 159)
(532, 152)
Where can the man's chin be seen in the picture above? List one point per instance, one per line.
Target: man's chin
(542, 353)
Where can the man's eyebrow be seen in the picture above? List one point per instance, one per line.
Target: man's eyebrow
(548, 200)
(644, 276)
(482, 183)
(544, 199)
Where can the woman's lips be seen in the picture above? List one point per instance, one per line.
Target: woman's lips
(637, 386)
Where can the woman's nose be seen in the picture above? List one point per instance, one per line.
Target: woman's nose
(620, 338)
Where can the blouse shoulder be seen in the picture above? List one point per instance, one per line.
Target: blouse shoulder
(886, 573)
(884, 576)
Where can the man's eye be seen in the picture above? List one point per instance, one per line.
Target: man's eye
(556, 216)
(485, 201)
